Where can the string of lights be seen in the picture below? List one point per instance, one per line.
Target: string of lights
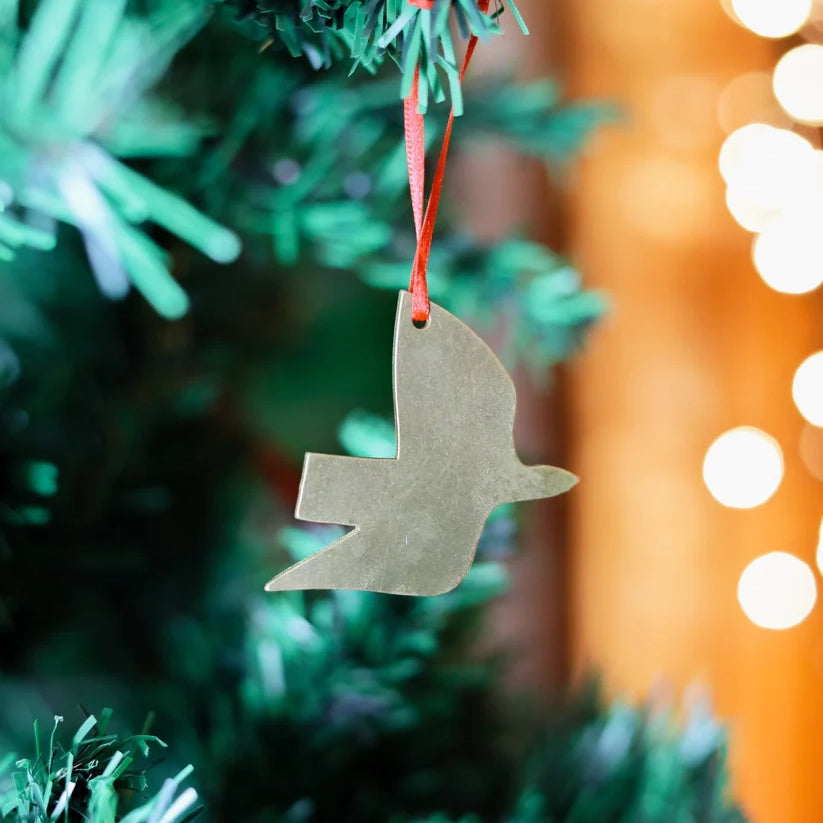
(773, 170)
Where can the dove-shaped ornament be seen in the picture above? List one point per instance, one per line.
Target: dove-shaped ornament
(418, 517)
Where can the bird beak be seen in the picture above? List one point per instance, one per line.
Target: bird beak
(558, 480)
(535, 482)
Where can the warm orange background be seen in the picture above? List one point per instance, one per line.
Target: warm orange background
(638, 580)
(695, 344)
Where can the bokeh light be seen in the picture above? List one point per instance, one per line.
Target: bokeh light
(788, 255)
(798, 83)
(777, 591)
(747, 149)
(743, 467)
(747, 212)
(807, 388)
(768, 170)
(772, 18)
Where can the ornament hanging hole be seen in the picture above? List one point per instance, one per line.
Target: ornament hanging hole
(421, 324)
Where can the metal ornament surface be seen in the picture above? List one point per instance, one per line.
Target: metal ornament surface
(418, 516)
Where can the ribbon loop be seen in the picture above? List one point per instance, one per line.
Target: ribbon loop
(416, 160)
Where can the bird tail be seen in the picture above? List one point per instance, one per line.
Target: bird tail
(334, 567)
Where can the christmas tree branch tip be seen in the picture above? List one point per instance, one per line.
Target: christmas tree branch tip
(367, 32)
(98, 778)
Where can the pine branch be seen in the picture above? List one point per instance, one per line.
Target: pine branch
(95, 780)
(70, 103)
(331, 188)
(593, 764)
(367, 32)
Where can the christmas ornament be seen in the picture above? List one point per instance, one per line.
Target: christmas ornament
(418, 517)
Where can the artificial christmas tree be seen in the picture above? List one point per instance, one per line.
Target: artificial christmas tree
(198, 201)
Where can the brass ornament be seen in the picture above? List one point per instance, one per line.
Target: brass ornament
(418, 516)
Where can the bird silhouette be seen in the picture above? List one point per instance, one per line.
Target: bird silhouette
(418, 516)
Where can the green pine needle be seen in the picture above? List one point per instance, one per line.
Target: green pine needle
(94, 780)
(72, 81)
(369, 31)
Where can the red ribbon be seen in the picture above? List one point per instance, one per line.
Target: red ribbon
(416, 159)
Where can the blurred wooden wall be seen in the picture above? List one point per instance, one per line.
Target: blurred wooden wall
(532, 622)
(695, 344)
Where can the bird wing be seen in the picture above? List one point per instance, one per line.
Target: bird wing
(344, 490)
(448, 381)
